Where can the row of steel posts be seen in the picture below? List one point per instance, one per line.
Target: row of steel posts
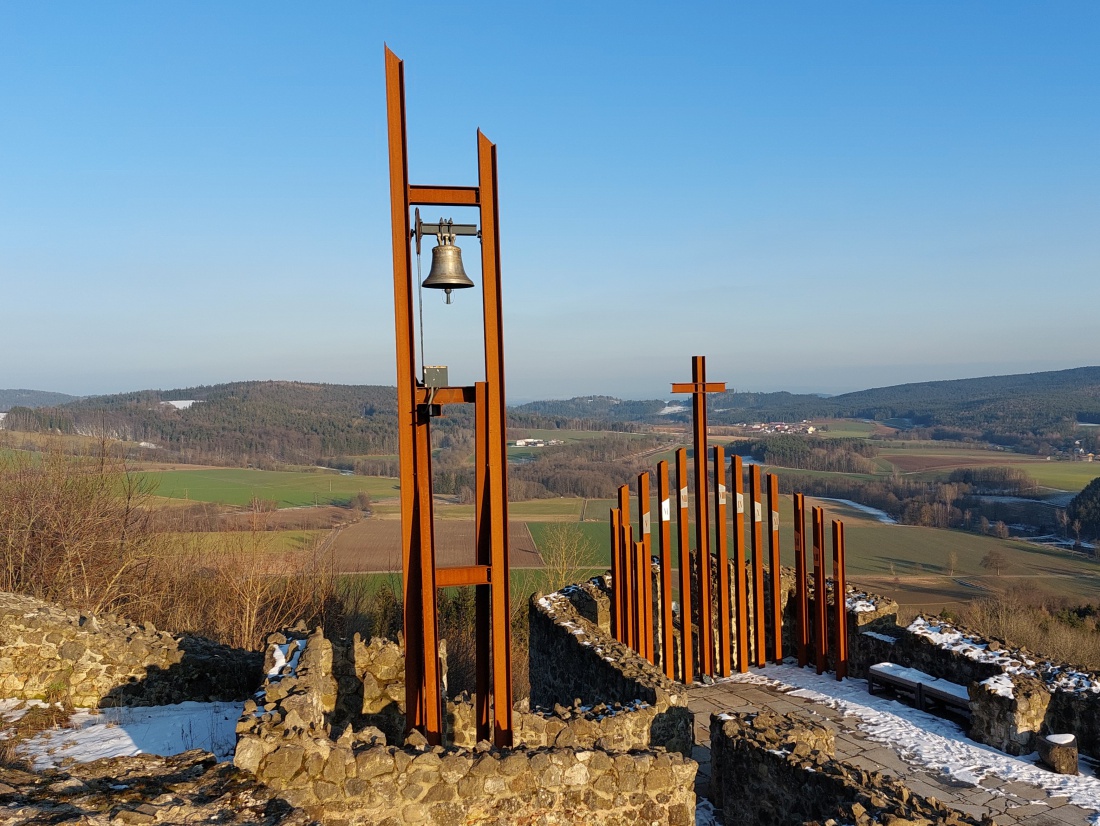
(634, 569)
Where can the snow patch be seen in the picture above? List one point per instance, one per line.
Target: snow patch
(126, 731)
(924, 739)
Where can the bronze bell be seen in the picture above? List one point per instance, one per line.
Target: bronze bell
(447, 272)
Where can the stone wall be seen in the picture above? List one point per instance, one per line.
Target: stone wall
(1015, 696)
(90, 661)
(310, 735)
(1007, 712)
(575, 663)
(782, 769)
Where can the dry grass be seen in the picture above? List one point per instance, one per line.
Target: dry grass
(1045, 627)
(81, 531)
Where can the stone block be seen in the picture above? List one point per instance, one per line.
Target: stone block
(1059, 752)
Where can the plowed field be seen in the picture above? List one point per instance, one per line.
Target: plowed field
(374, 545)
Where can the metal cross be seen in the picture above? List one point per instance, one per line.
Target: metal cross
(698, 387)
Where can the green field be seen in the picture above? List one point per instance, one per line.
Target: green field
(1071, 476)
(844, 429)
(231, 486)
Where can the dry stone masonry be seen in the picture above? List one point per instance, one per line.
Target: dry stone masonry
(96, 662)
(782, 770)
(325, 732)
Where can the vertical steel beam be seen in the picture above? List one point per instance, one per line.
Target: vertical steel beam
(423, 702)
(802, 604)
(840, 601)
(632, 589)
(664, 542)
(702, 517)
(494, 375)
(721, 543)
(645, 583)
(629, 569)
(616, 576)
(759, 612)
(821, 630)
(483, 594)
(776, 568)
(641, 577)
(741, 616)
(687, 665)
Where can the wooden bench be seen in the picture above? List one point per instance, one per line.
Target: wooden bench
(923, 687)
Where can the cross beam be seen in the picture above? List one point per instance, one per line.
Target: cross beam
(698, 387)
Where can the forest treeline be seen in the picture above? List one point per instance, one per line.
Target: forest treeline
(265, 424)
(1030, 412)
(808, 453)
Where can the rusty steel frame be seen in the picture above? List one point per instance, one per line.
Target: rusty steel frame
(802, 602)
(840, 602)
(740, 588)
(616, 577)
(775, 567)
(664, 550)
(721, 543)
(687, 665)
(423, 695)
(641, 577)
(757, 516)
(645, 590)
(821, 631)
(698, 387)
(626, 551)
(633, 624)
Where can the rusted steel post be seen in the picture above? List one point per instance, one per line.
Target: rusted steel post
(633, 625)
(721, 546)
(629, 613)
(741, 617)
(699, 387)
(802, 604)
(483, 594)
(493, 317)
(759, 613)
(821, 630)
(641, 577)
(645, 586)
(664, 542)
(776, 568)
(423, 700)
(617, 573)
(840, 601)
(687, 665)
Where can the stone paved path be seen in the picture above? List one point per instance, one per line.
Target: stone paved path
(1015, 803)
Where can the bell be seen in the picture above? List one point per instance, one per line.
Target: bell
(447, 272)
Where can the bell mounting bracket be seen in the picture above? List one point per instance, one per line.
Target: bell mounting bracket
(444, 227)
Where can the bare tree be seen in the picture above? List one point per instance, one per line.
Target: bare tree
(566, 553)
(952, 563)
(994, 561)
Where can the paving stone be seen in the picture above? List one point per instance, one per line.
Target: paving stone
(1023, 790)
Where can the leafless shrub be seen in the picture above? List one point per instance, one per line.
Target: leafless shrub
(1042, 625)
(80, 531)
(566, 552)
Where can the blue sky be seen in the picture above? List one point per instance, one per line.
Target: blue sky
(819, 196)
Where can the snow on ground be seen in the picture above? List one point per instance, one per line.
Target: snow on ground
(123, 732)
(923, 739)
(881, 516)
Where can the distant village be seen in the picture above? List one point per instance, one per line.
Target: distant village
(779, 427)
(536, 442)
